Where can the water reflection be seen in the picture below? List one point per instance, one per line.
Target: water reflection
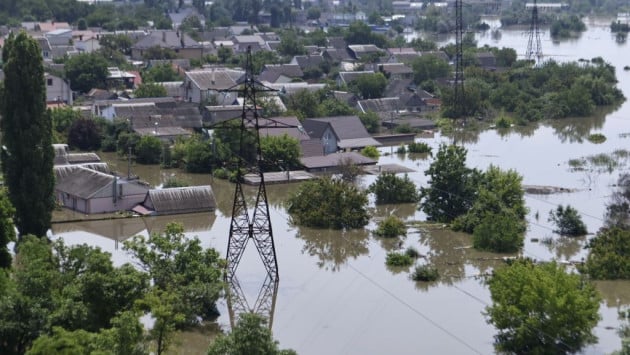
(576, 129)
(265, 303)
(452, 254)
(333, 248)
(565, 248)
(120, 229)
(615, 293)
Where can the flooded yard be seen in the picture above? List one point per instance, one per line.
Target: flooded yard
(336, 296)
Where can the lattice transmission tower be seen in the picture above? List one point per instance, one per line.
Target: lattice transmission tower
(534, 48)
(256, 227)
(458, 85)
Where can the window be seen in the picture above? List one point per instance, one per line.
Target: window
(49, 81)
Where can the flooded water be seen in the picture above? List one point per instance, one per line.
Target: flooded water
(336, 296)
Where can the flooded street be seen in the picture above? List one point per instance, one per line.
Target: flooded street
(336, 296)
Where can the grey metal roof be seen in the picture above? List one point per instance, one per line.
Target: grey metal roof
(76, 158)
(335, 160)
(278, 126)
(166, 39)
(312, 148)
(83, 182)
(211, 79)
(345, 127)
(350, 76)
(181, 200)
(385, 104)
(358, 143)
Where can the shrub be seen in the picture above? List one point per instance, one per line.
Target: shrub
(609, 256)
(221, 173)
(597, 138)
(174, 182)
(500, 233)
(419, 147)
(149, 150)
(391, 227)
(370, 152)
(398, 259)
(401, 150)
(329, 203)
(567, 221)
(390, 188)
(412, 252)
(503, 122)
(425, 273)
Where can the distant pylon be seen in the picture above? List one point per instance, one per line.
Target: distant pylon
(458, 85)
(258, 226)
(534, 48)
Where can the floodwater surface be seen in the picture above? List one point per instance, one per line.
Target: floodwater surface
(336, 296)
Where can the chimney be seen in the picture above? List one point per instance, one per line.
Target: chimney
(163, 36)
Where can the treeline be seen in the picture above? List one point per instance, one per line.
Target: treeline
(552, 90)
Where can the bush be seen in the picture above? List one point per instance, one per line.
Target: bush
(84, 134)
(425, 273)
(329, 203)
(412, 252)
(419, 147)
(596, 138)
(401, 150)
(370, 152)
(174, 182)
(567, 221)
(390, 188)
(609, 256)
(398, 259)
(503, 122)
(149, 150)
(500, 233)
(391, 227)
(221, 173)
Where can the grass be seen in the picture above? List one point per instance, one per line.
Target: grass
(398, 259)
(425, 273)
(596, 138)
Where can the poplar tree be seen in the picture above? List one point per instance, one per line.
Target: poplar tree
(27, 153)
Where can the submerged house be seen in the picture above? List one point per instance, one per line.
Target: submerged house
(177, 200)
(90, 191)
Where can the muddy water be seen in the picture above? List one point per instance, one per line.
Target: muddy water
(336, 296)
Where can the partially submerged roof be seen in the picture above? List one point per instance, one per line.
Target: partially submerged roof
(181, 200)
(83, 182)
(335, 160)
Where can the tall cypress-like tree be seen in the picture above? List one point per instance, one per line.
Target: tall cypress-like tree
(27, 153)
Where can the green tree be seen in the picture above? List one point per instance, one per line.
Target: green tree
(224, 54)
(498, 193)
(280, 153)
(7, 229)
(182, 269)
(499, 232)
(304, 103)
(567, 220)
(609, 254)
(84, 134)
(62, 119)
(329, 203)
(540, 309)
(370, 86)
(149, 150)
(390, 188)
(64, 342)
(251, 335)
(290, 44)
(370, 120)
(429, 67)
(451, 189)
(160, 73)
(157, 52)
(27, 299)
(86, 71)
(150, 90)
(360, 33)
(27, 154)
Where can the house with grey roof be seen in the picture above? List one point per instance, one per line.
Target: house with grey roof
(57, 89)
(339, 133)
(361, 51)
(280, 73)
(279, 126)
(181, 43)
(346, 77)
(403, 54)
(177, 200)
(395, 71)
(242, 42)
(89, 191)
(208, 85)
(308, 62)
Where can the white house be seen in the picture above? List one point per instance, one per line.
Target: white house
(57, 90)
